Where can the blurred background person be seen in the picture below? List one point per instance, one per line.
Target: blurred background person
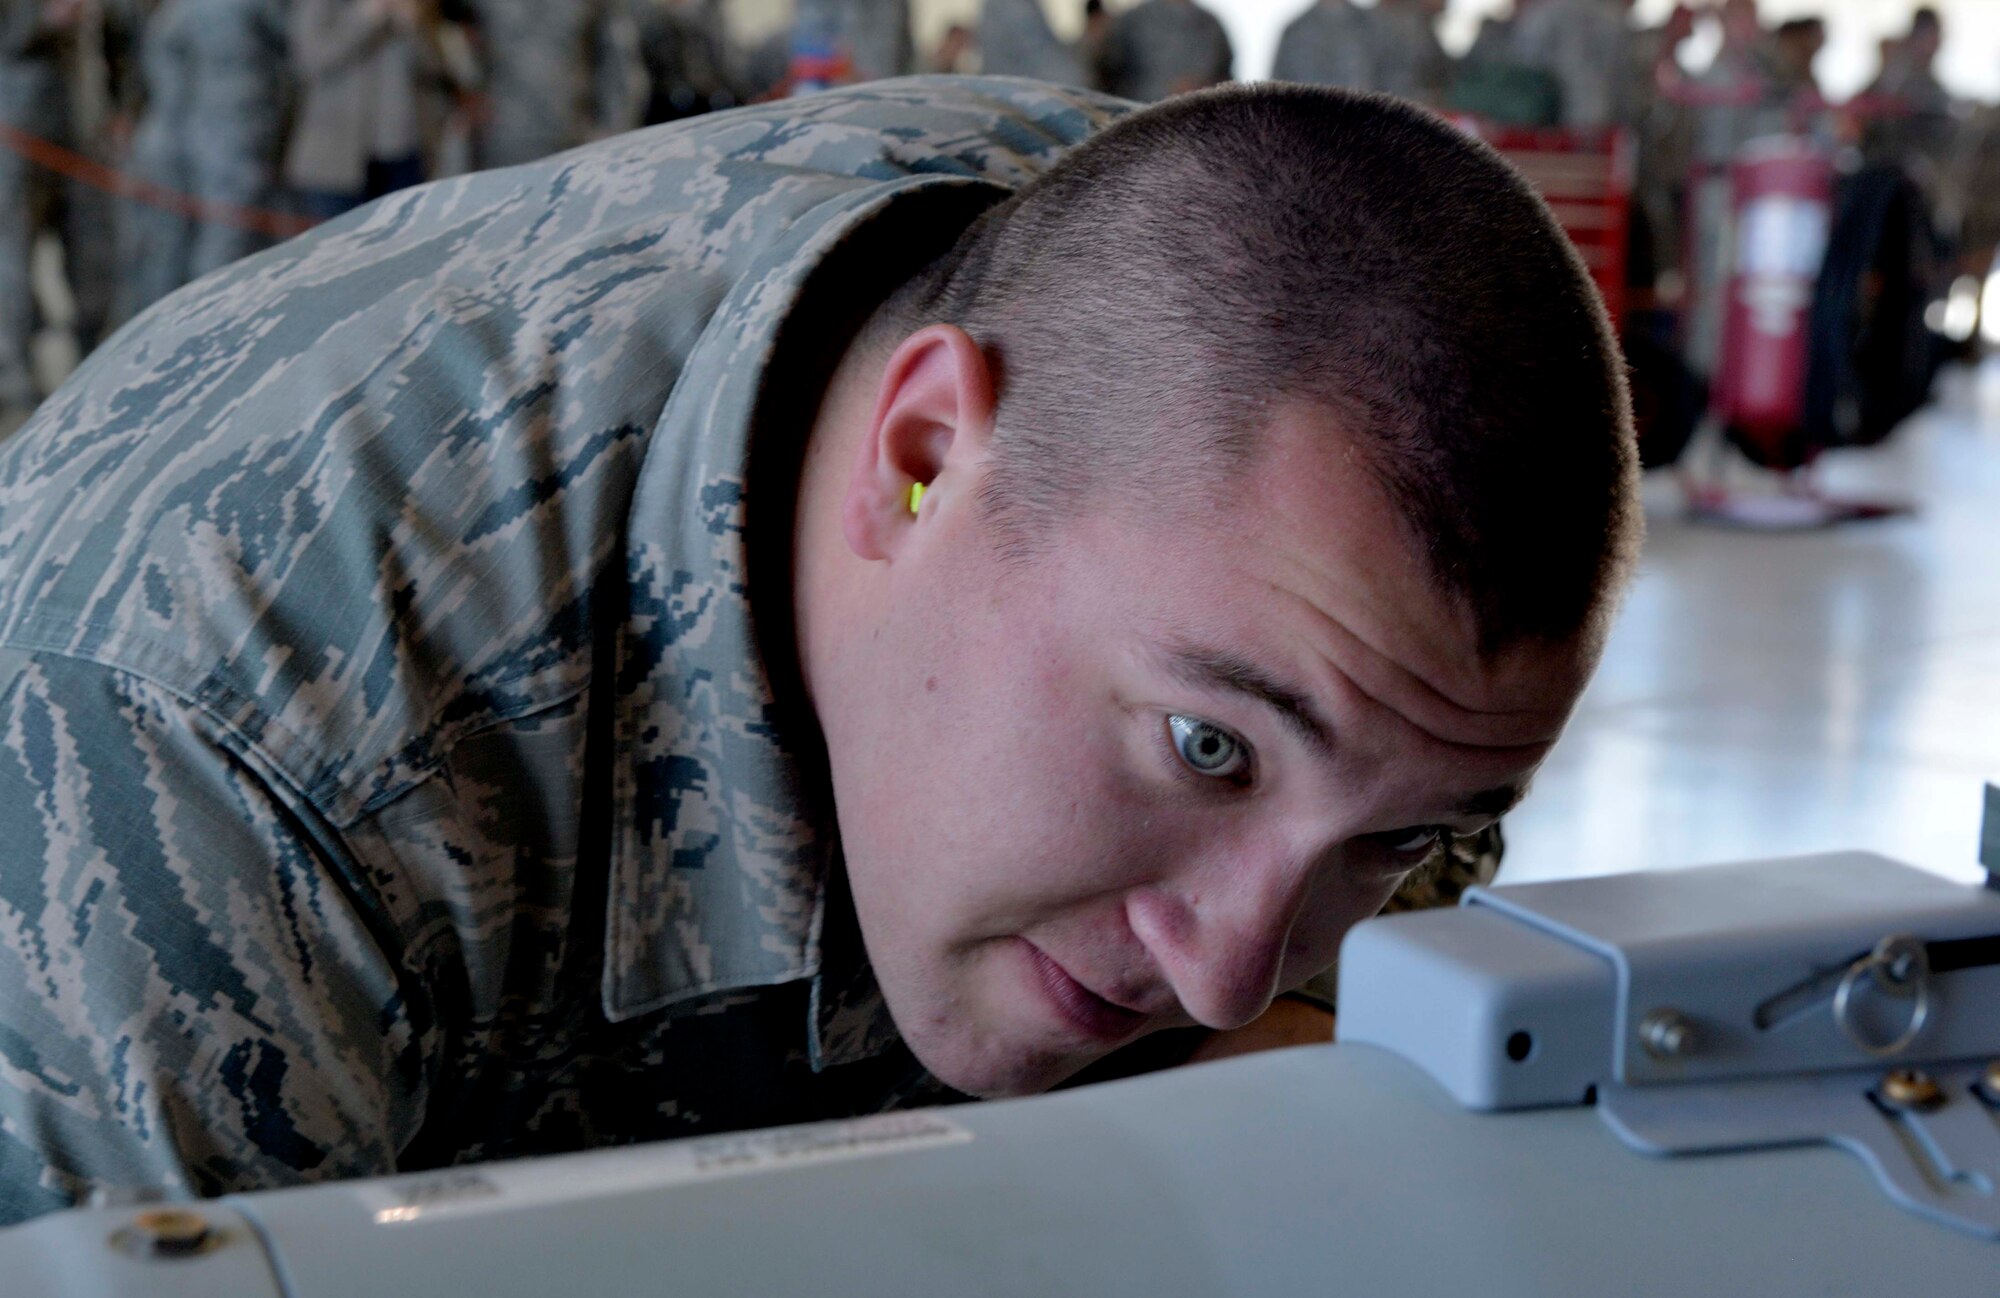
(1494, 37)
(1585, 46)
(557, 73)
(37, 38)
(1728, 106)
(954, 53)
(1409, 59)
(1976, 182)
(1165, 47)
(1331, 44)
(1907, 117)
(684, 56)
(871, 37)
(374, 88)
(1496, 82)
(1908, 79)
(1794, 90)
(212, 118)
(1795, 47)
(1090, 47)
(762, 71)
(103, 78)
(1015, 40)
(1663, 147)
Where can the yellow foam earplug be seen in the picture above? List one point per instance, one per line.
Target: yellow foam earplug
(916, 495)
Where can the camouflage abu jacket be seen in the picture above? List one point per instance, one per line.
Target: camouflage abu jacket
(389, 771)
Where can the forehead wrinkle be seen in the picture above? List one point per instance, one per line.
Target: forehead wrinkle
(1389, 669)
(1389, 595)
(1505, 729)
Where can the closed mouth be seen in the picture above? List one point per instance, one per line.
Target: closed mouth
(1080, 1006)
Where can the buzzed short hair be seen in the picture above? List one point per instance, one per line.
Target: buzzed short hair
(1154, 298)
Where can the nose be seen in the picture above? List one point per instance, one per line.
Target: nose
(1219, 932)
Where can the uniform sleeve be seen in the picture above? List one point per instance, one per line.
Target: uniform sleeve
(190, 1003)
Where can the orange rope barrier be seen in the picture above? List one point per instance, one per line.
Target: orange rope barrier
(75, 166)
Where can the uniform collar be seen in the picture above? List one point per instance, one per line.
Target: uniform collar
(723, 850)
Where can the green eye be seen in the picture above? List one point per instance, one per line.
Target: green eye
(1208, 749)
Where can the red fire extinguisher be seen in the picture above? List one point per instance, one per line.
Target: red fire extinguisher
(1784, 210)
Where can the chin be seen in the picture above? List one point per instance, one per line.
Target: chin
(989, 1070)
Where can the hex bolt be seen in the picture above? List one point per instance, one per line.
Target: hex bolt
(1911, 1090)
(172, 1232)
(1667, 1034)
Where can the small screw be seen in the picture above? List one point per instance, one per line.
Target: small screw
(1667, 1034)
(1911, 1090)
(1989, 1082)
(172, 1232)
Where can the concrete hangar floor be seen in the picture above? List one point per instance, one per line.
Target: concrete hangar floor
(1774, 694)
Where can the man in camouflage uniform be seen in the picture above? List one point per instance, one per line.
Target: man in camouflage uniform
(1015, 40)
(1330, 44)
(433, 653)
(1165, 47)
(556, 75)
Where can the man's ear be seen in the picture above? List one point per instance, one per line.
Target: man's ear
(932, 422)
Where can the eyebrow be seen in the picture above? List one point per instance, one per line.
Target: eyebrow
(1216, 669)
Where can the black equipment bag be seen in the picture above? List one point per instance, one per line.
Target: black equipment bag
(1871, 356)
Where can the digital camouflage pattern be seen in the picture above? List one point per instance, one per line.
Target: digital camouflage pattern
(1330, 44)
(388, 772)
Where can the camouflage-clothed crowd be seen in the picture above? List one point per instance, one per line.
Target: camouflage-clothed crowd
(236, 122)
(244, 112)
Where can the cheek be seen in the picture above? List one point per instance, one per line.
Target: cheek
(995, 789)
